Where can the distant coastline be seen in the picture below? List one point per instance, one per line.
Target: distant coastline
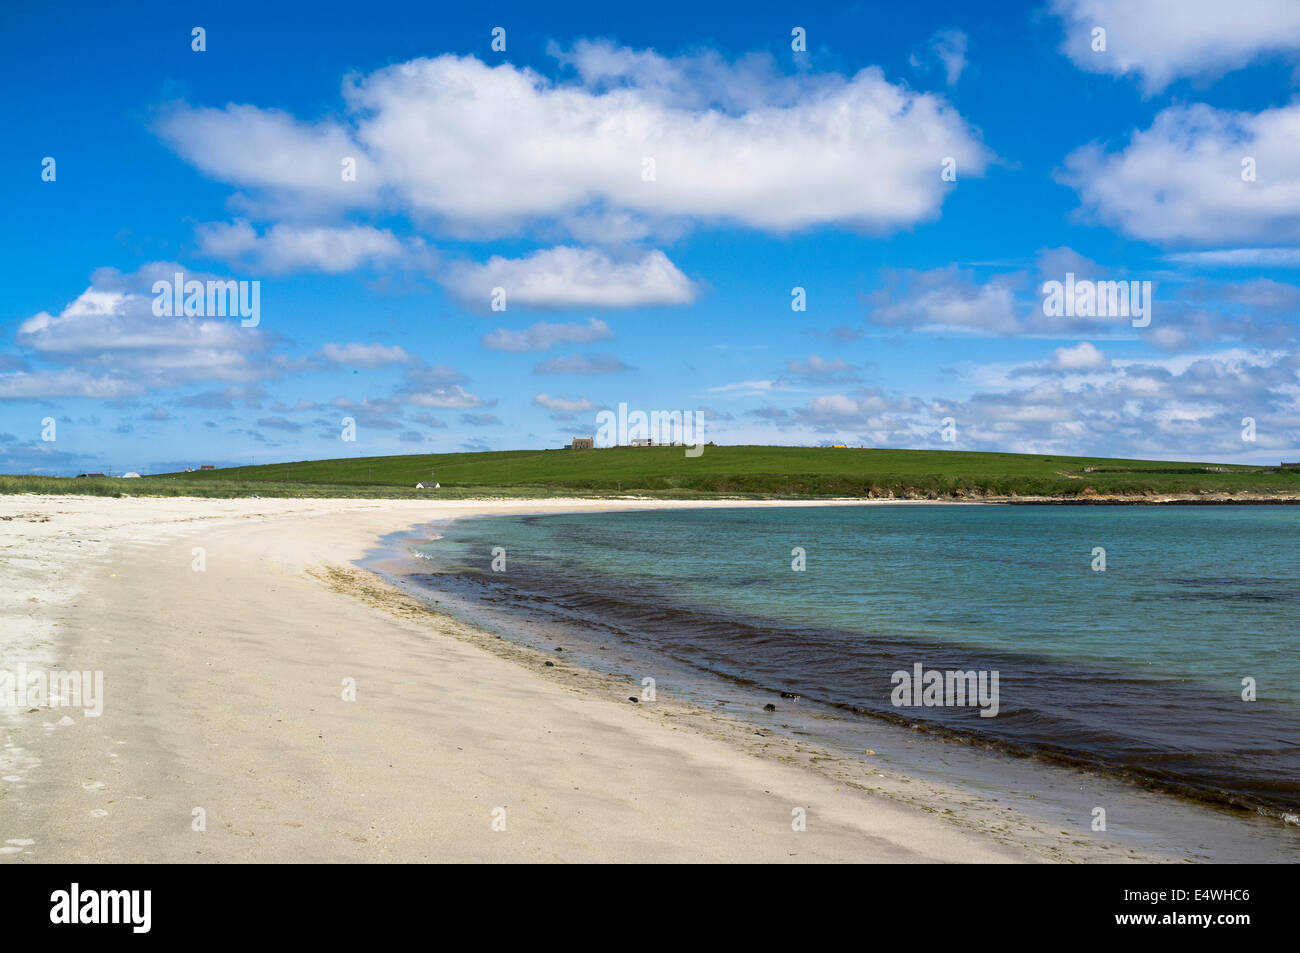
(719, 473)
(161, 487)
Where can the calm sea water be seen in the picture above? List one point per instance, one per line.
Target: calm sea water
(1137, 669)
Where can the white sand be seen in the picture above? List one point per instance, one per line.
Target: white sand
(223, 692)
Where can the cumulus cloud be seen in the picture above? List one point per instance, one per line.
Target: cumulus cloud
(1182, 180)
(1185, 313)
(867, 413)
(544, 336)
(862, 407)
(285, 247)
(1188, 407)
(1081, 402)
(568, 277)
(378, 413)
(1259, 311)
(438, 386)
(751, 388)
(1081, 357)
(562, 405)
(270, 149)
(738, 143)
(64, 383)
(448, 395)
(363, 355)
(108, 343)
(948, 299)
(1162, 40)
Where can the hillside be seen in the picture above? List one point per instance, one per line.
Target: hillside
(756, 470)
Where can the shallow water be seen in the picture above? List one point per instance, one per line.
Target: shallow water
(1135, 670)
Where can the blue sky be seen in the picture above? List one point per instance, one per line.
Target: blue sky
(526, 170)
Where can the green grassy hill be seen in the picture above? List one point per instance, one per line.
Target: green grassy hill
(767, 471)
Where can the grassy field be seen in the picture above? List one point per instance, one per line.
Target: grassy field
(666, 471)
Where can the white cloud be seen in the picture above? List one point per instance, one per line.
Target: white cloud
(66, 383)
(445, 395)
(491, 149)
(949, 299)
(377, 413)
(108, 343)
(332, 249)
(864, 415)
(1163, 40)
(564, 405)
(1081, 357)
(750, 388)
(438, 385)
(364, 355)
(840, 405)
(567, 277)
(270, 149)
(1188, 407)
(1078, 401)
(544, 336)
(1181, 180)
(1184, 312)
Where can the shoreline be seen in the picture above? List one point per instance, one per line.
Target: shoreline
(1036, 772)
(393, 562)
(450, 495)
(223, 695)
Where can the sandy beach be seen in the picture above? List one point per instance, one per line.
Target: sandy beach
(226, 735)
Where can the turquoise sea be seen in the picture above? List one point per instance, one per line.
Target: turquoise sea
(1139, 668)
